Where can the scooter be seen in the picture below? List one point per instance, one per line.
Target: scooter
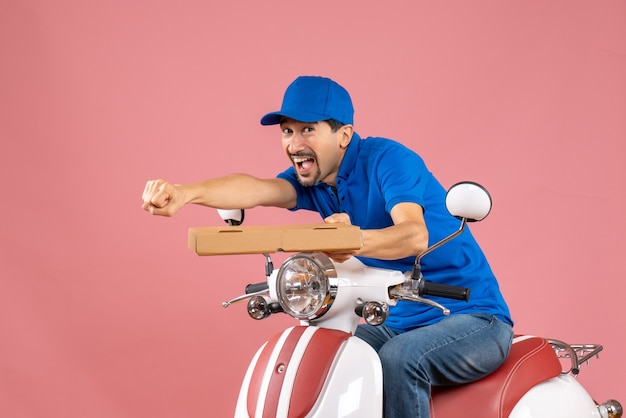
(318, 368)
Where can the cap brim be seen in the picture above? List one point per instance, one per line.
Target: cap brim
(274, 118)
(271, 119)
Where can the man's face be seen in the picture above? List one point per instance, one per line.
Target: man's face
(314, 150)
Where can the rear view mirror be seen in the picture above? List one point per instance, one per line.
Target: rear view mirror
(468, 200)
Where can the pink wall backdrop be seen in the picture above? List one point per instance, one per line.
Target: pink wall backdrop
(104, 312)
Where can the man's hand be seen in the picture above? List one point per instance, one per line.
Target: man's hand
(162, 198)
(343, 255)
(338, 218)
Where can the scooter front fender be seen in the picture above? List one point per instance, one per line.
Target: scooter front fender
(312, 372)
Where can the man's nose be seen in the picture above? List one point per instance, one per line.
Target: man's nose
(296, 143)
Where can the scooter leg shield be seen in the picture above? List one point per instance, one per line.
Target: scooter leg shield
(312, 372)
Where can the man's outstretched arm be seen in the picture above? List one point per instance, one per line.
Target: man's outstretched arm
(235, 191)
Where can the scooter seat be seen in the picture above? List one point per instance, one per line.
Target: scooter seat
(530, 362)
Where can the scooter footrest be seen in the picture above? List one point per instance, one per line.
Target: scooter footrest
(530, 362)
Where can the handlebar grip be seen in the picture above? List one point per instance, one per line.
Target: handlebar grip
(445, 290)
(256, 287)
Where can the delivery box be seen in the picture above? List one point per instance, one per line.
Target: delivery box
(270, 239)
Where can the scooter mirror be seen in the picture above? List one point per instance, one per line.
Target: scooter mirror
(233, 217)
(468, 200)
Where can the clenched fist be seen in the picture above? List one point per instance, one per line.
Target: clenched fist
(162, 198)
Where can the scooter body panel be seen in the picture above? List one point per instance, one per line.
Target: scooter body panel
(316, 380)
(355, 386)
(561, 396)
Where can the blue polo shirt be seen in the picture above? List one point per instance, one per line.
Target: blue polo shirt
(375, 175)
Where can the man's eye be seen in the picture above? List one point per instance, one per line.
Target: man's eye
(308, 129)
(286, 131)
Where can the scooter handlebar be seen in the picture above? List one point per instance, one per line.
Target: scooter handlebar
(256, 287)
(444, 290)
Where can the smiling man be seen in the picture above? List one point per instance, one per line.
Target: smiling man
(387, 190)
(327, 135)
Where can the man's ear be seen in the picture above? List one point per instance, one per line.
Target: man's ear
(346, 132)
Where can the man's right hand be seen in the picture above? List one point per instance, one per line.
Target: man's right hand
(162, 198)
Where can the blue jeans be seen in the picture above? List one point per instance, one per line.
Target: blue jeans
(458, 349)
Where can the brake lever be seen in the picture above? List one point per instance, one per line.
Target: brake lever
(401, 292)
(226, 304)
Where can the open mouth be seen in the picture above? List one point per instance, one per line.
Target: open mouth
(303, 163)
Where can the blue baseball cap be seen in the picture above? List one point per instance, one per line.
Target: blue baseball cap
(313, 99)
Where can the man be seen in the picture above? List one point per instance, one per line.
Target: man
(385, 189)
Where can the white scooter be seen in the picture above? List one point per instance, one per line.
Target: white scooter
(320, 369)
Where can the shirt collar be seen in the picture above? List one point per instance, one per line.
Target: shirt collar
(349, 158)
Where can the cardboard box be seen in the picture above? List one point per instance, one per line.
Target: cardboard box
(270, 239)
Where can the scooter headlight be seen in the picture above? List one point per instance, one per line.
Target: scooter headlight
(303, 285)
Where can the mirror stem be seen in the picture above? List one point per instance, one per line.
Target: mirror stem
(269, 266)
(416, 273)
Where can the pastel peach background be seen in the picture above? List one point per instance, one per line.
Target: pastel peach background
(104, 312)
